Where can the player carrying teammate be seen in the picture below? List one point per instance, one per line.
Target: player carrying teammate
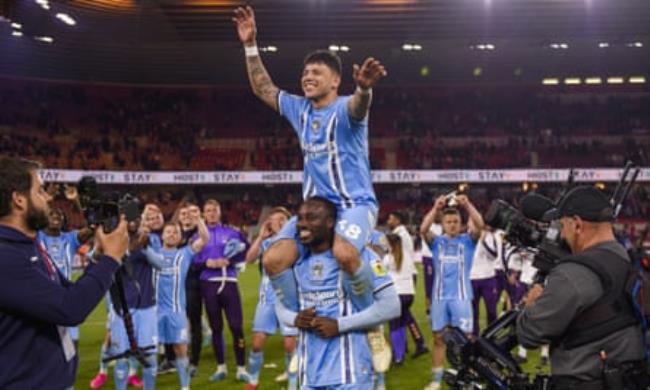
(333, 133)
(333, 351)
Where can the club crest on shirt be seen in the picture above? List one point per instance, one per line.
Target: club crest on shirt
(315, 126)
(317, 270)
(378, 267)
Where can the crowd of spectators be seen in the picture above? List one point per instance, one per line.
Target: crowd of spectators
(120, 127)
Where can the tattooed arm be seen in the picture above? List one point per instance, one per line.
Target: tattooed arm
(259, 78)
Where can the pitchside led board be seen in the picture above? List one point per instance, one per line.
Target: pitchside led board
(379, 177)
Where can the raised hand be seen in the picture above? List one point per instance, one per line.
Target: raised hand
(441, 202)
(246, 27)
(368, 74)
(266, 230)
(71, 192)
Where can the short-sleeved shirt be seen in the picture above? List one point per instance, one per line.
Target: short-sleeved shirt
(335, 150)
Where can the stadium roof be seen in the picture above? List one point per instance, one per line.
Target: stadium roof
(194, 41)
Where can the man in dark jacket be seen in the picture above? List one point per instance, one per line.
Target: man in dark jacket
(37, 302)
(582, 311)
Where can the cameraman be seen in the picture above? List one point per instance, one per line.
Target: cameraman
(583, 311)
(37, 302)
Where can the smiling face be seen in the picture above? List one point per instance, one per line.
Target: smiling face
(315, 224)
(319, 81)
(171, 235)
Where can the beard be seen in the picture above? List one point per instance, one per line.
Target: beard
(36, 219)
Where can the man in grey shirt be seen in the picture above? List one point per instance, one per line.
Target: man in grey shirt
(576, 311)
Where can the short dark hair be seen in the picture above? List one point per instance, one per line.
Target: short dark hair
(328, 205)
(398, 215)
(450, 211)
(15, 176)
(326, 57)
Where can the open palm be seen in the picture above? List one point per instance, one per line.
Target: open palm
(368, 74)
(246, 28)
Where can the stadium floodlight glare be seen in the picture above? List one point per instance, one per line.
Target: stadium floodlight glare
(411, 47)
(339, 48)
(637, 80)
(615, 80)
(17, 26)
(67, 19)
(17, 33)
(45, 39)
(603, 45)
(593, 80)
(634, 44)
(45, 4)
(489, 46)
(559, 45)
(550, 81)
(271, 49)
(572, 81)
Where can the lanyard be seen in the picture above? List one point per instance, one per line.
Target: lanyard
(49, 265)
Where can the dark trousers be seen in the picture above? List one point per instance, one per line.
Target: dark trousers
(486, 288)
(228, 301)
(399, 325)
(194, 312)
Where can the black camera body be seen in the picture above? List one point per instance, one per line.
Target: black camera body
(486, 362)
(541, 238)
(104, 208)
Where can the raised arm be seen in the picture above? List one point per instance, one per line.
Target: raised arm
(365, 76)
(204, 235)
(427, 221)
(474, 216)
(154, 258)
(261, 83)
(256, 248)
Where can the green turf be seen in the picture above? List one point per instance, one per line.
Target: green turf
(413, 374)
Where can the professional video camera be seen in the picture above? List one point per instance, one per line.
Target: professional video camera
(486, 362)
(528, 230)
(104, 208)
(531, 230)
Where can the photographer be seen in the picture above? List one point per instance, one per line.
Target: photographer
(37, 302)
(583, 310)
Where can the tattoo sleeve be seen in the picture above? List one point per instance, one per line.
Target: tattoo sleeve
(261, 82)
(359, 105)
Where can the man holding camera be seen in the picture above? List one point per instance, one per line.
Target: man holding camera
(37, 303)
(584, 311)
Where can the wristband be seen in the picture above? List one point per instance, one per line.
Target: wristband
(364, 91)
(251, 51)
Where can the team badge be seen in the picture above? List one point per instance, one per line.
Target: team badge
(315, 126)
(317, 270)
(378, 268)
